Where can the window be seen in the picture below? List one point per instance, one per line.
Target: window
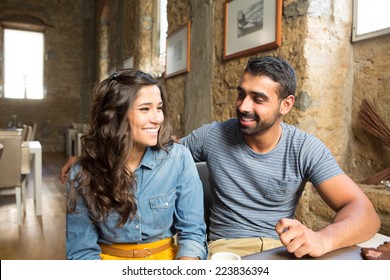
(163, 34)
(370, 19)
(163, 27)
(23, 64)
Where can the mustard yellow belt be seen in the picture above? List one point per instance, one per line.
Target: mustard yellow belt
(127, 250)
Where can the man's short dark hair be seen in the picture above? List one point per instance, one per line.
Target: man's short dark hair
(277, 69)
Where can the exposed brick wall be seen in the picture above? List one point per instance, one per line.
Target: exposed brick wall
(69, 63)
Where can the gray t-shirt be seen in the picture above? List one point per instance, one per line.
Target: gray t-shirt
(252, 191)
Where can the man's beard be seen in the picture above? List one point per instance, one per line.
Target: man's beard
(261, 125)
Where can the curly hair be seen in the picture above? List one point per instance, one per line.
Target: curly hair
(104, 181)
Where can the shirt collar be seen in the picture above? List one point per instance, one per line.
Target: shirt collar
(149, 158)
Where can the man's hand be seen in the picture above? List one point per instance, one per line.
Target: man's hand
(299, 239)
(355, 221)
(65, 169)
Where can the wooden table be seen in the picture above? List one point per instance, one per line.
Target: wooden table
(349, 253)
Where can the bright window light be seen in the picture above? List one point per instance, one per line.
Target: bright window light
(370, 18)
(23, 64)
(163, 26)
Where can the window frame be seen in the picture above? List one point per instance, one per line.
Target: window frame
(28, 24)
(363, 36)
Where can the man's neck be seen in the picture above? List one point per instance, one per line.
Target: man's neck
(265, 142)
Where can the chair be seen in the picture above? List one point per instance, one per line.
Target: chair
(1, 149)
(24, 132)
(26, 157)
(204, 177)
(29, 130)
(70, 137)
(32, 135)
(26, 161)
(11, 172)
(73, 138)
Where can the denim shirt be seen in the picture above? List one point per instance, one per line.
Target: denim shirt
(169, 197)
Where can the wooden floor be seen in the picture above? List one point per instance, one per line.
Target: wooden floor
(39, 237)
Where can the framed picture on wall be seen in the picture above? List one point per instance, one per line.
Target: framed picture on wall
(178, 51)
(252, 26)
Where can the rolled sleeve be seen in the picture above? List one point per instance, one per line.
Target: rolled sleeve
(191, 248)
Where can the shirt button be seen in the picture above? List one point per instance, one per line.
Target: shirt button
(137, 226)
(166, 204)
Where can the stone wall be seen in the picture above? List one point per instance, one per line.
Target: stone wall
(371, 82)
(179, 13)
(333, 77)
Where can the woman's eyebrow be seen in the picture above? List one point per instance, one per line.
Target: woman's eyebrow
(148, 104)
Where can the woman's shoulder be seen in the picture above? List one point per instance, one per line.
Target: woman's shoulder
(179, 149)
(176, 150)
(176, 155)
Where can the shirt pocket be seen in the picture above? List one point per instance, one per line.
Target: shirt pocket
(163, 207)
(281, 190)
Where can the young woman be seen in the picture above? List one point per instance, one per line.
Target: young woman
(133, 189)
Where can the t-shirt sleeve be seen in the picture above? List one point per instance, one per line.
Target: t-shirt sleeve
(319, 163)
(196, 142)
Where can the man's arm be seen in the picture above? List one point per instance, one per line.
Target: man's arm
(65, 169)
(355, 221)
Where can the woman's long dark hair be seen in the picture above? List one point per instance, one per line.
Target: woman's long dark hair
(104, 181)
